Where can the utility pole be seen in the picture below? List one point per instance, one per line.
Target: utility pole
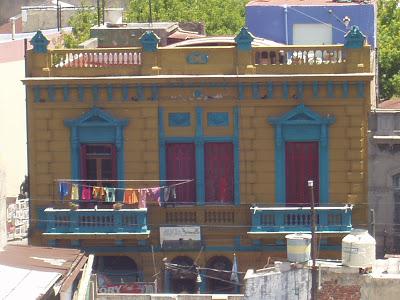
(102, 12)
(314, 286)
(58, 17)
(98, 13)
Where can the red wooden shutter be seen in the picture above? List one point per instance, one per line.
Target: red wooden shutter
(219, 172)
(302, 164)
(181, 164)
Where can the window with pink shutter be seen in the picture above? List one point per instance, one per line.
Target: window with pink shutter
(301, 165)
(219, 171)
(181, 164)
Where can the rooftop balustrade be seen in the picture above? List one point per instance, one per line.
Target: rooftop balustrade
(242, 59)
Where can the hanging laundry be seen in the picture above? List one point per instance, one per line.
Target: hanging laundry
(128, 196)
(75, 192)
(173, 192)
(153, 194)
(63, 188)
(98, 192)
(167, 192)
(142, 198)
(110, 194)
(86, 193)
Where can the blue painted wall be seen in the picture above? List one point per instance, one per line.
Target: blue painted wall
(268, 21)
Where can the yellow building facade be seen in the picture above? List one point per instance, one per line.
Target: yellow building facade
(230, 135)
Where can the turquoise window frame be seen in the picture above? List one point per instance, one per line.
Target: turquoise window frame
(95, 127)
(199, 139)
(301, 124)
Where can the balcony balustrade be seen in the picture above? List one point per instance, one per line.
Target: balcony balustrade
(273, 220)
(92, 222)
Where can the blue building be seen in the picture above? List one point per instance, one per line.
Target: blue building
(310, 22)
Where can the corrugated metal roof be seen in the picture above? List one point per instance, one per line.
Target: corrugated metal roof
(25, 284)
(45, 259)
(66, 263)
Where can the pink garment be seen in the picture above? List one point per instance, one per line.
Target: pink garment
(142, 198)
(86, 193)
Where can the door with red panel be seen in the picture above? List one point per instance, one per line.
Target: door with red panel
(181, 164)
(302, 164)
(219, 171)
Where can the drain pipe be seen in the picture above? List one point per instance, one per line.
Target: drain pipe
(285, 10)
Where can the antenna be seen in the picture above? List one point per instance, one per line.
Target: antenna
(150, 14)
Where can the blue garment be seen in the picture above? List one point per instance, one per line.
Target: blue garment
(63, 188)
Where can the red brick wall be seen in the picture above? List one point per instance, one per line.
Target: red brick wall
(332, 290)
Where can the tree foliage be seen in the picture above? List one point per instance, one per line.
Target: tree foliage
(389, 48)
(81, 22)
(220, 17)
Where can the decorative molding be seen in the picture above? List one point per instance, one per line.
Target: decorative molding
(270, 90)
(255, 88)
(81, 93)
(361, 89)
(179, 119)
(95, 93)
(37, 93)
(197, 58)
(301, 124)
(155, 92)
(330, 88)
(345, 89)
(315, 88)
(218, 119)
(97, 126)
(125, 93)
(110, 93)
(51, 92)
(140, 92)
(66, 93)
(285, 90)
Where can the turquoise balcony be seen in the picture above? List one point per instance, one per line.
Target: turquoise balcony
(282, 220)
(92, 223)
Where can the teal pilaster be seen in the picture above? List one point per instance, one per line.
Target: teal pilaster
(199, 142)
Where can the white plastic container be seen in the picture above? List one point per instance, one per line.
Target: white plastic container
(298, 247)
(358, 249)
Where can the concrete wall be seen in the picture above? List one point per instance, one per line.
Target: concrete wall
(268, 21)
(294, 284)
(384, 161)
(38, 18)
(337, 282)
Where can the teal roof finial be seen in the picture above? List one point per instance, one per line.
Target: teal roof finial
(243, 39)
(149, 41)
(39, 43)
(354, 38)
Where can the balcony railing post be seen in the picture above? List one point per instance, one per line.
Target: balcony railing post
(74, 221)
(118, 221)
(51, 222)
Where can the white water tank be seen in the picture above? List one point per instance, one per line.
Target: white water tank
(298, 247)
(358, 249)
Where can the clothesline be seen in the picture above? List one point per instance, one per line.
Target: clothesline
(121, 180)
(71, 181)
(78, 191)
